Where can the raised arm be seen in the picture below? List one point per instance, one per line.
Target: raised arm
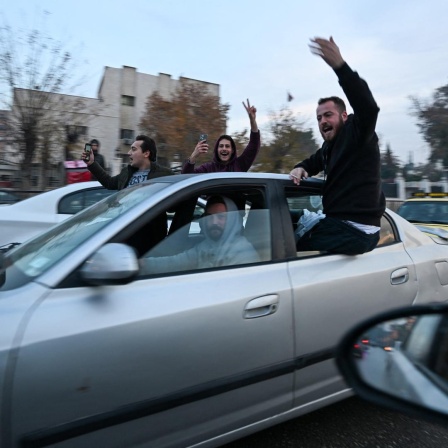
(246, 159)
(356, 89)
(107, 181)
(189, 165)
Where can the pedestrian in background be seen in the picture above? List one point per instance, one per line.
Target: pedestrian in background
(99, 158)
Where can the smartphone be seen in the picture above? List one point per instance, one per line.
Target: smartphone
(203, 137)
(87, 149)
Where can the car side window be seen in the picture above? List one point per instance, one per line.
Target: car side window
(299, 203)
(239, 236)
(387, 233)
(79, 200)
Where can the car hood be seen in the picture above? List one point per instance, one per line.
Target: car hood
(438, 230)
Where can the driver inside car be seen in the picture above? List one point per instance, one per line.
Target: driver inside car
(223, 244)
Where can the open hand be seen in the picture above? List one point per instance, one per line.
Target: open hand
(327, 50)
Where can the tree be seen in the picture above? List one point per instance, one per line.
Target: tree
(287, 143)
(34, 68)
(433, 122)
(390, 165)
(176, 122)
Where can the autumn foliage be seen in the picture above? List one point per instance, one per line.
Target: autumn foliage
(286, 143)
(176, 122)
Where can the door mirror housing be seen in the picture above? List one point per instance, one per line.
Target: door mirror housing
(114, 263)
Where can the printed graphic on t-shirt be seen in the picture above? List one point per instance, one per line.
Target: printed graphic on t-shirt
(138, 177)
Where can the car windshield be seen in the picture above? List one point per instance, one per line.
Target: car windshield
(428, 212)
(33, 258)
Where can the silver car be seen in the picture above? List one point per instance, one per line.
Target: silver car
(94, 352)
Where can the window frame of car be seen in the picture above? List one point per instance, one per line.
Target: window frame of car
(169, 203)
(185, 203)
(388, 232)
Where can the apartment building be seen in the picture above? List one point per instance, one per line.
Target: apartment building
(113, 118)
(123, 93)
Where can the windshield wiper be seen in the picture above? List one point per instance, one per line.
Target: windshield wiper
(8, 247)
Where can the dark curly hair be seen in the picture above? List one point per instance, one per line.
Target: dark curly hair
(148, 145)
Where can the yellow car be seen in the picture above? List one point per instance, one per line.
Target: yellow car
(428, 211)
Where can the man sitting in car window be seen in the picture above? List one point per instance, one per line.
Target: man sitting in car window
(223, 245)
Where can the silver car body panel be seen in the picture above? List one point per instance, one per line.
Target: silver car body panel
(148, 328)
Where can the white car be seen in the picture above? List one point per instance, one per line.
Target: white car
(26, 219)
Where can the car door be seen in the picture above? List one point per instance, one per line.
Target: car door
(166, 360)
(332, 293)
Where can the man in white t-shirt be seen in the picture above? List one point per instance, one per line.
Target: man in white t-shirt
(143, 166)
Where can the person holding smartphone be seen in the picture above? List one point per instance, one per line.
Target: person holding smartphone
(143, 166)
(99, 158)
(225, 156)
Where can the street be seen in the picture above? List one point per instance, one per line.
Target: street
(352, 423)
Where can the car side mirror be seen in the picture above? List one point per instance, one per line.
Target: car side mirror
(399, 360)
(114, 263)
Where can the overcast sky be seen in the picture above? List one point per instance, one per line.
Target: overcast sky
(258, 49)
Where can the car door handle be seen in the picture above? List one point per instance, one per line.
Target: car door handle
(261, 306)
(399, 276)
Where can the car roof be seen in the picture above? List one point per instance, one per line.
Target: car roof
(231, 175)
(426, 199)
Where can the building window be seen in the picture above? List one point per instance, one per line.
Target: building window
(81, 130)
(127, 100)
(74, 132)
(127, 134)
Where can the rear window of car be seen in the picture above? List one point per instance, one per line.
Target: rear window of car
(79, 200)
(8, 198)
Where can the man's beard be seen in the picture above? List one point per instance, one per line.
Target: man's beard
(334, 131)
(215, 232)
